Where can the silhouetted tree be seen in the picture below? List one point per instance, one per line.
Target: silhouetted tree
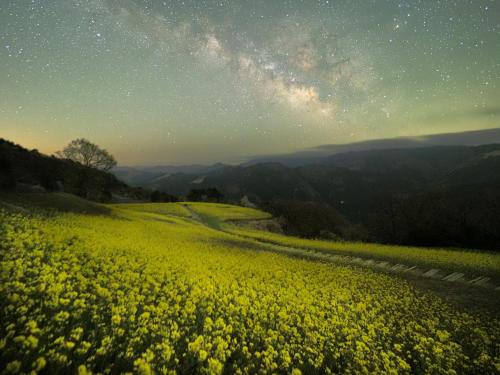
(205, 195)
(158, 196)
(195, 195)
(214, 195)
(86, 153)
(23, 168)
(459, 217)
(310, 219)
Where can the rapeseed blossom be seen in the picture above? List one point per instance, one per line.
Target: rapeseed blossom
(151, 291)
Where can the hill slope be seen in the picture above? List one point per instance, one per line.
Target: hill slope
(421, 196)
(394, 169)
(315, 154)
(31, 171)
(149, 287)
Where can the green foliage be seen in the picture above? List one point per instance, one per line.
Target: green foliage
(205, 195)
(123, 292)
(157, 196)
(309, 219)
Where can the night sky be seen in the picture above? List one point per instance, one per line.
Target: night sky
(177, 82)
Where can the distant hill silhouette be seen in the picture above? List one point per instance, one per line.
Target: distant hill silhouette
(392, 169)
(361, 186)
(315, 154)
(137, 176)
(152, 175)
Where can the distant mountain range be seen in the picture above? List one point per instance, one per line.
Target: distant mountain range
(350, 181)
(444, 195)
(469, 138)
(430, 196)
(148, 175)
(152, 175)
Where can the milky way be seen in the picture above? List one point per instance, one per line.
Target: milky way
(165, 82)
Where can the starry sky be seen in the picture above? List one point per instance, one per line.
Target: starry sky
(199, 81)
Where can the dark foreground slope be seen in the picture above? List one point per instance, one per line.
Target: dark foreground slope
(22, 170)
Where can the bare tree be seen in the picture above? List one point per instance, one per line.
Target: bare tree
(86, 153)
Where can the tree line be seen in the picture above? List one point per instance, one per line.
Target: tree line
(81, 168)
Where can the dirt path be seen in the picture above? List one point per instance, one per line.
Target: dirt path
(194, 214)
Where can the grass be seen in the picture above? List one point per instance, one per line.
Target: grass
(148, 289)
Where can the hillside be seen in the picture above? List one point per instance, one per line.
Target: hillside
(399, 169)
(316, 154)
(423, 196)
(137, 176)
(54, 202)
(144, 175)
(179, 286)
(23, 170)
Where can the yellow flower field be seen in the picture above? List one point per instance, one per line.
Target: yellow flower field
(175, 209)
(149, 290)
(225, 212)
(469, 262)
